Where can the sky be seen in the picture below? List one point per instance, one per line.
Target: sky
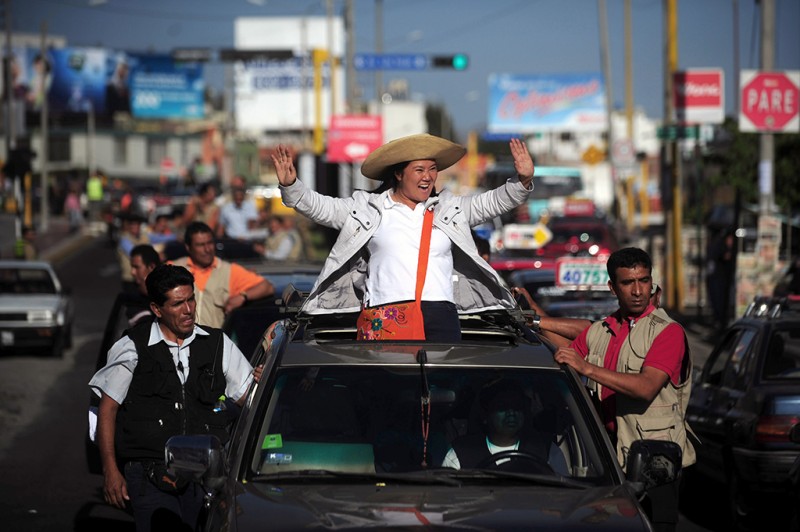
(499, 36)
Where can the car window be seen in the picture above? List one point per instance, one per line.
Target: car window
(26, 281)
(782, 358)
(719, 359)
(735, 374)
(372, 419)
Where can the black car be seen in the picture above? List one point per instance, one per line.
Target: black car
(342, 433)
(744, 405)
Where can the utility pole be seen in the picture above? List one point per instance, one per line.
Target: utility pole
(350, 29)
(8, 81)
(766, 177)
(672, 162)
(378, 50)
(44, 210)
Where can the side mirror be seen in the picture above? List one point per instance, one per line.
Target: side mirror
(197, 458)
(654, 462)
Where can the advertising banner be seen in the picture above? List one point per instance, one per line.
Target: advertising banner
(521, 103)
(79, 78)
(165, 89)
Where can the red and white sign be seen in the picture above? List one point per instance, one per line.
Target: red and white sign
(699, 96)
(352, 137)
(769, 101)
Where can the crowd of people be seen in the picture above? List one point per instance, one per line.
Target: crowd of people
(636, 361)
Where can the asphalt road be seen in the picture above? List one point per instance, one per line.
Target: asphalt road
(45, 485)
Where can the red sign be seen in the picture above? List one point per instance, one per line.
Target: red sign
(352, 137)
(770, 101)
(699, 96)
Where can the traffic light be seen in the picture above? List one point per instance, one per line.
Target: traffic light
(455, 61)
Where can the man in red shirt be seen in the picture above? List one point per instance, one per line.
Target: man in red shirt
(638, 364)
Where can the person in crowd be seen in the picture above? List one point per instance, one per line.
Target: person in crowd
(72, 208)
(238, 218)
(25, 247)
(284, 241)
(130, 236)
(144, 259)
(181, 359)
(562, 330)
(638, 364)
(202, 207)
(95, 194)
(720, 268)
(374, 259)
(221, 286)
(504, 412)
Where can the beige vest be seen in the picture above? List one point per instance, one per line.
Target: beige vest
(211, 301)
(274, 241)
(665, 417)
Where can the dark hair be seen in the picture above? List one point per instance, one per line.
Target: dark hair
(501, 386)
(148, 254)
(203, 188)
(195, 228)
(627, 258)
(164, 278)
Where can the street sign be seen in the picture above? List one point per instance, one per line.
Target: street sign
(677, 131)
(353, 137)
(390, 61)
(769, 101)
(593, 155)
(699, 96)
(622, 152)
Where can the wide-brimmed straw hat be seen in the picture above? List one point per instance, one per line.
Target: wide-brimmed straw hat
(378, 164)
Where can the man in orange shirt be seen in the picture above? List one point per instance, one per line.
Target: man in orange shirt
(220, 286)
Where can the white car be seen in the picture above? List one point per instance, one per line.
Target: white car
(35, 309)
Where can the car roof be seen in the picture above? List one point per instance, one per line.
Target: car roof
(40, 264)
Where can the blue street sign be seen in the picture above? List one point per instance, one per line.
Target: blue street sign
(390, 61)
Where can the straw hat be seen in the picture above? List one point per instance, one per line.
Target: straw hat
(377, 165)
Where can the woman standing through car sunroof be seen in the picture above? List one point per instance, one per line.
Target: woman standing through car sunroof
(374, 260)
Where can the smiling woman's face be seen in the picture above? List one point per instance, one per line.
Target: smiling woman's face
(415, 184)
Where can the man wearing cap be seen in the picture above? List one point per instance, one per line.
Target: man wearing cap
(374, 260)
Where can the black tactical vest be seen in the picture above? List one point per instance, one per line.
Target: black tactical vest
(158, 407)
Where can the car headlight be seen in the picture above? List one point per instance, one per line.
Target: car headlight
(40, 315)
(61, 318)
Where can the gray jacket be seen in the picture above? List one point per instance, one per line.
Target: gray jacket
(342, 281)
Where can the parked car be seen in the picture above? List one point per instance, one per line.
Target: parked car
(744, 407)
(343, 434)
(36, 311)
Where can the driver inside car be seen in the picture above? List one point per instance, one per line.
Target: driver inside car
(507, 441)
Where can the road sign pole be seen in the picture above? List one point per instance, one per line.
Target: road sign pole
(766, 178)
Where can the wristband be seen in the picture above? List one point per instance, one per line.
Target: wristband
(535, 323)
(244, 295)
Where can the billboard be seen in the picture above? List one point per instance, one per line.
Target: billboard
(527, 103)
(163, 88)
(272, 95)
(80, 79)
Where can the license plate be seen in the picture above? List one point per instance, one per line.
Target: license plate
(7, 337)
(581, 273)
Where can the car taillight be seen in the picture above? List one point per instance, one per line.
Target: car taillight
(773, 429)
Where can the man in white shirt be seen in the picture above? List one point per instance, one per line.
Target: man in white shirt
(163, 378)
(239, 217)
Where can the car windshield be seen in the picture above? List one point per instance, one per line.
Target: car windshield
(782, 360)
(379, 420)
(26, 281)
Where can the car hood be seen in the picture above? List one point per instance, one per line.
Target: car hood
(14, 302)
(589, 310)
(262, 506)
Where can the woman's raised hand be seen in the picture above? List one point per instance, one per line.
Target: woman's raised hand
(522, 161)
(284, 166)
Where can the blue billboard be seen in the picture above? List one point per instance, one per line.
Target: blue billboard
(78, 81)
(163, 88)
(520, 103)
